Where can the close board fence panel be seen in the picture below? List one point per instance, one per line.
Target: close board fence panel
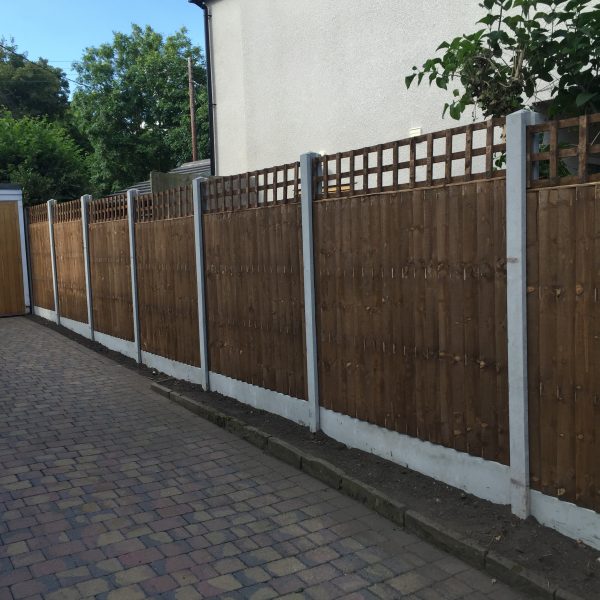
(255, 306)
(110, 269)
(70, 266)
(564, 342)
(166, 275)
(411, 305)
(40, 258)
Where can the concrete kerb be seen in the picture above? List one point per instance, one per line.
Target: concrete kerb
(285, 452)
(517, 576)
(427, 529)
(564, 595)
(447, 539)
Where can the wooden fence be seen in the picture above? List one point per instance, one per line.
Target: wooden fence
(564, 152)
(39, 257)
(110, 268)
(254, 286)
(410, 288)
(411, 300)
(166, 275)
(461, 154)
(563, 241)
(70, 266)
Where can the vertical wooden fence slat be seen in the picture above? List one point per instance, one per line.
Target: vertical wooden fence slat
(468, 152)
(553, 150)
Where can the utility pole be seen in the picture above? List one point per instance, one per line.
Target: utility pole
(192, 111)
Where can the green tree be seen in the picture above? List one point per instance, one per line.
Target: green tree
(133, 105)
(527, 50)
(30, 88)
(42, 158)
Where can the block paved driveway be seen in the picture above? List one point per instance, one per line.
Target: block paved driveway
(108, 490)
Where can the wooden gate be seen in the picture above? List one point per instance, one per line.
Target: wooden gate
(12, 293)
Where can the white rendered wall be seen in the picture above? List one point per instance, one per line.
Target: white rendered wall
(324, 75)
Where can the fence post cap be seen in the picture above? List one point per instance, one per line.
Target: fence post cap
(531, 117)
(310, 154)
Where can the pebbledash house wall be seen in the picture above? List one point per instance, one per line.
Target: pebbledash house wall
(325, 75)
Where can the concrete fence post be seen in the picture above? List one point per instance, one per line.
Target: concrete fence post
(86, 260)
(50, 205)
(201, 281)
(310, 317)
(131, 213)
(27, 254)
(516, 290)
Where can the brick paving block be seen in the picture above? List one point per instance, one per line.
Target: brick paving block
(109, 565)
(159, 585)
(134, 575)
(225, 583)
(124, 547)
(72, 576)
(320, 555)
(24, 589)
(13, 549)
(284, 566)
(376, 572)
(259, 591)
(68, 593)
(323, 591)
(185, 577)
(408, 583)
(93, 587)
(252, 576)
(132, 592)
(319, 574)
(109, 537)
(349, 582)
(476, 580)
(451, 565)
(204, 572)
(140, 557)
(386, 592)
(259, 556)
(225, 566)
(164, 505)
(27, 558)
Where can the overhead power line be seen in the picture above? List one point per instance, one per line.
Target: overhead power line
(41, 66)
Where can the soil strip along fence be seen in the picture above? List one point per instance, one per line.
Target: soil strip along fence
(415, 299)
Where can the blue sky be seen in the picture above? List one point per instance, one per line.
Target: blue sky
(60, 30)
